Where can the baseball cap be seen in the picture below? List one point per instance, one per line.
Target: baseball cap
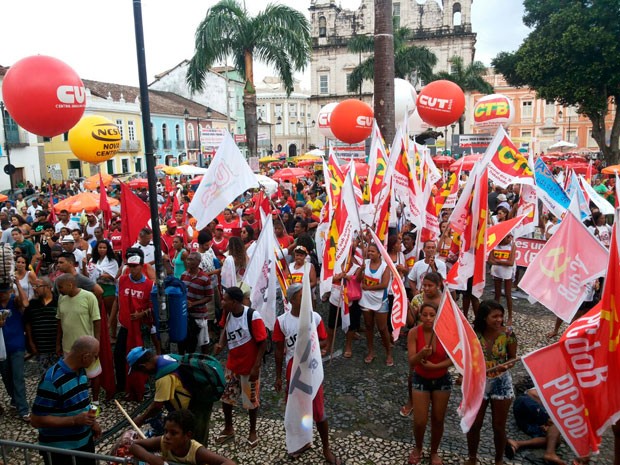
(219, 226)
(171, 223)
(292, 290)
(134, 355)
(302, 249)
(134, 260)
(67, 239)
(502, 197)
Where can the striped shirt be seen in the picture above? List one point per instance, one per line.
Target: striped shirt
(43, 324)
(198, 287)
(63, 392)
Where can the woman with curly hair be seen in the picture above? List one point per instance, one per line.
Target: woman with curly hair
(500, 349)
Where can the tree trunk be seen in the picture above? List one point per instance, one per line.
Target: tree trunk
(611, 152)
(384, 69)
(249, 106)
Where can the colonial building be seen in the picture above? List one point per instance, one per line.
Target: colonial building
(539, 124)
(443, 26)
(285, 122)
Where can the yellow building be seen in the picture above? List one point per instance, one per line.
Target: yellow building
(63, 165)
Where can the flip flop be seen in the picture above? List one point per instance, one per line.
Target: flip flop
(389, 362)
(405, 412)
(300, 452)
(414, 457)
(224, 438)
(336, 461)
(509, 451)
(369, 359)
(252, 444)
(347, 354)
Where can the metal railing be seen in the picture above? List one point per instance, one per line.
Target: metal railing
(13, 452)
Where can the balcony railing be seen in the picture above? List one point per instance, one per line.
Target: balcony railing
(167, 144)
(16, 138)
(193, 144)
(130, 146)
(180, 144)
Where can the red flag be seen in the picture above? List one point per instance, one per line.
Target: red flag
(506, 164)
(589, 173)
(497, 233)
(462, 345)
(135, 215)
(557, 277)
(480, 210)
(399, 308)
(104, 205)
(108, 381)
(52, 212)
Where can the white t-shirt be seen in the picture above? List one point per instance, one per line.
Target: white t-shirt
(148, 251)
(70, 225)
(420, 269)
(604, 234)
(289, 325)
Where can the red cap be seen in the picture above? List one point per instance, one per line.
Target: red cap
(171, 223)
(219, 226)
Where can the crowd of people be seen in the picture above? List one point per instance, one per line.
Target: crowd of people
(74, 286)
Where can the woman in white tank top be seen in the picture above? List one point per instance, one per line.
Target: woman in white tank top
(375, 279)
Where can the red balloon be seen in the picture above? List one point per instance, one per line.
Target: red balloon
(351, 121)
(441, 103)
(44, 95)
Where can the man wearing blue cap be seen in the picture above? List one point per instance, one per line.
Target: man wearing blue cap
(169, 389)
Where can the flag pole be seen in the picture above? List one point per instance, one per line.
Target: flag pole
(150, 171)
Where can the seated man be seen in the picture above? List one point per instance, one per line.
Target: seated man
(176, 444)
(532, 419)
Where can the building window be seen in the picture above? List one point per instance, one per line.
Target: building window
(456, 15)
(526, 109)
(190, 132)
(177, 132)
(550, 109)
(110, 166)
(323, 84)
(65, 136)
(164, 131)
(124, 165)
(239, 103)
(292, 110)
(302, 109)
(347, 80)
(396, 14)
(278, 110)
(322, 26)
(591, 141)
(131, 130)
(119, 124)
(571, 136)
(292, 128)
(75, 168)
(527, 135)
(138, 164)
(279, 127)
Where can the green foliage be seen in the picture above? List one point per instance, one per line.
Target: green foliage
(410, 61)
(469, 78)
(572, 56)
(279, 36)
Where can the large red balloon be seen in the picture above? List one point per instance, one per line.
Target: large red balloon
(351, 121)
(441, 103)
(44, 95)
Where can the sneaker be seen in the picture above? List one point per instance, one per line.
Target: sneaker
(26, 418)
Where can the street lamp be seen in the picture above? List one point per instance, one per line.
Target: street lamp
(568, 131)
(8, 166)
(260, 123)
(305, 127)
(453, 125)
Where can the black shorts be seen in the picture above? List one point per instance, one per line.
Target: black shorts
(355, 315)
(429, 385)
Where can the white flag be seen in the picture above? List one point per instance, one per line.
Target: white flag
(306, 375)
(228, 176)
(260, 274)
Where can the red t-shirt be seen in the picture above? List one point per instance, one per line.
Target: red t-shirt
(242, 345)
(231, 228)
(219, 248)
(116, 237)
(285, 240)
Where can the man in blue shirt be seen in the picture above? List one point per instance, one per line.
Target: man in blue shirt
(61, 410)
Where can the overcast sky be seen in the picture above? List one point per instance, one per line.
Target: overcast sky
(97, 38)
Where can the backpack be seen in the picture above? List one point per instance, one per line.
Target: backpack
(202, 375)
(268, 341)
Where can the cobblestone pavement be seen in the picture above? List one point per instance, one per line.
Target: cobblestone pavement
(362, 403)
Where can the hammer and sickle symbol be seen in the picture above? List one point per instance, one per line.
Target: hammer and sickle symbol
(557, 269)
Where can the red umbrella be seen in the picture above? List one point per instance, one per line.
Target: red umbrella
(465, 163)
(443, 161)
(138, 183)
(196, 180)
(361, 169)
(579, 168)
(308, 163)
(290, 173)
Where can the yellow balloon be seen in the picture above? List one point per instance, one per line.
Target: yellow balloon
(95, 139)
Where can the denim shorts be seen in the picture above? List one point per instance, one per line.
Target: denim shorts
(429, 385)
(384, 308)
(499, 388)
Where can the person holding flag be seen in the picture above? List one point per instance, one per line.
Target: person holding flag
(500, 349)
(285, 338)
(432, 383)
(502, 261)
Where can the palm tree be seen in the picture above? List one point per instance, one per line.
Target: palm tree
(279, 36)
(469, 78)
(384, 69)
(410, 62)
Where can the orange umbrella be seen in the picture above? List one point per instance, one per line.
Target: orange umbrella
(92, 182)
(613, 169)
(138, 183)
(4, 198)
(84, 201)
(443, 161)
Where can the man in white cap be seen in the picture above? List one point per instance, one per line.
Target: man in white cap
(68, 245)
(285, 338)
